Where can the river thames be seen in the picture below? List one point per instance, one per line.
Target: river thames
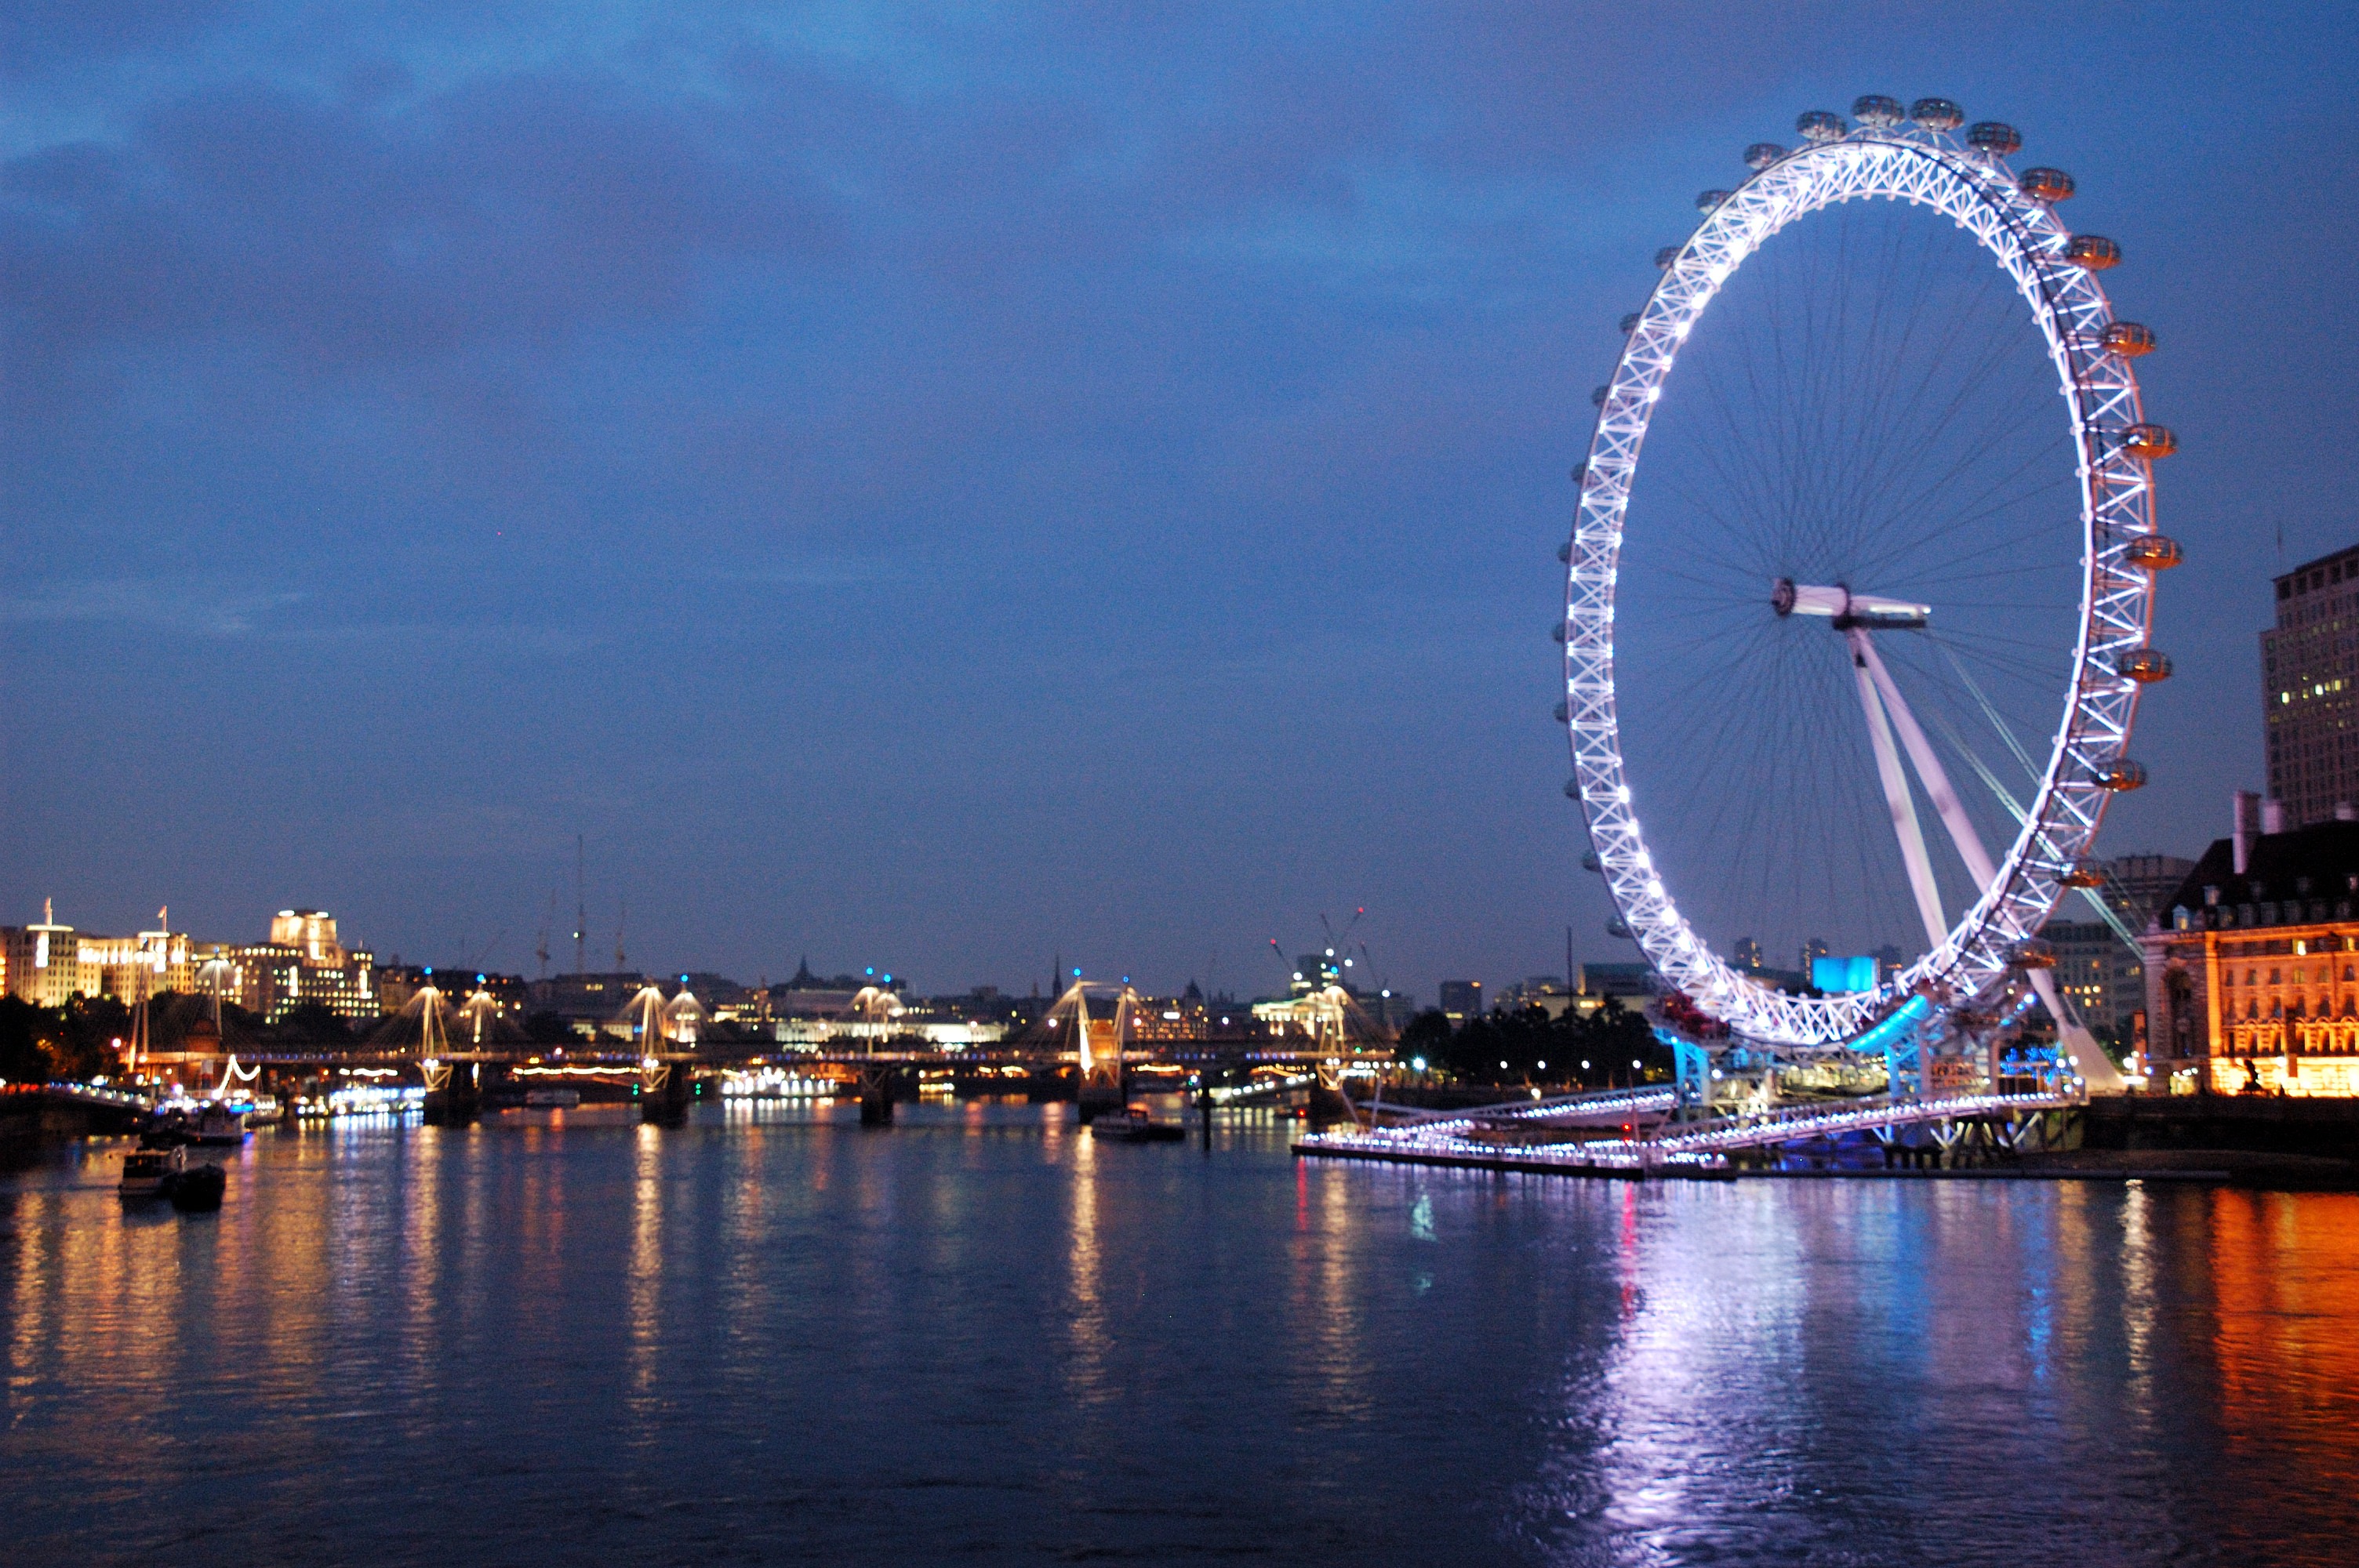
(982, 1336)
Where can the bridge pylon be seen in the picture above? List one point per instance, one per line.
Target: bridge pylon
(453, 1097)
(1100, 1085)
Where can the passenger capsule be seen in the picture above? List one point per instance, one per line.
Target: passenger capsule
(2046, 186)
(2032, 953)
(2153, 553)
(1666, 257)
(1563, 713)
(1598, 396)
(2128, 338)
(2094, 252)
(1997, 140)
(1877, 111)
(1618, 927)
(2121, 776)
(1708, 201)
(1822, 126)
(1557, 632)
(1590, 862)
(1573, 789)
(1937, 114)
(1580, 473)
(2150, 441)
(2082, 873)
(2144, 666)
(1630, 322)
(1761, 155)
(1564, 552)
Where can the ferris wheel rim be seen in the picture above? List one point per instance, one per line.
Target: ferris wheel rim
(2071, 311)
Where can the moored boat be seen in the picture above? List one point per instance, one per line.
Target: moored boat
(1137, 1125)
(218, 1125)
(200, 1188)
(149, 1173)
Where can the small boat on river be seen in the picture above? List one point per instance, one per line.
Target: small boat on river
(218, 1125)
(1137, 1125)
(149, 1173)
(200, 1189)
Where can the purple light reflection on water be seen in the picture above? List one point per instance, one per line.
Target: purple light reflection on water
(983, 1336)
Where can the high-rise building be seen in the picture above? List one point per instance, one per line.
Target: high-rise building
(2098, 974)
(2310, 690)
(303, 963)
(1812, 951)
(2102, 975)
(2139, 887)
(1461, 1000)
(1748, 954)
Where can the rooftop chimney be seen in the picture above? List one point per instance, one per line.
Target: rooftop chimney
(2244, 812)
(2272, 816)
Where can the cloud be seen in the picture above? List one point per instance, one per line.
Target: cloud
(207, 607)
(526, 209)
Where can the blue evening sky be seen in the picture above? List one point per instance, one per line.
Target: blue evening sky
(940, 486)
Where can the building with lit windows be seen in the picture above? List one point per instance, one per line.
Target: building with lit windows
(49, 964)
(2309, 692)
(305, 963)
(2099, 965)
(2252, 972)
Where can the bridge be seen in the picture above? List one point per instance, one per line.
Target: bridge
(1644, 1136)
(468, 1059)
(70, 1109)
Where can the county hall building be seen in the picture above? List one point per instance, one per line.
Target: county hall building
(2251, 967)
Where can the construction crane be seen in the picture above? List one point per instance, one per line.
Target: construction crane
(1315, 971)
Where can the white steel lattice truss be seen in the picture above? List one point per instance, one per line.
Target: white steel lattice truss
(1978, 193)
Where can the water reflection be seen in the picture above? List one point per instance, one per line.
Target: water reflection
(983, 1336)
(644, 1282)
(1085, 1319)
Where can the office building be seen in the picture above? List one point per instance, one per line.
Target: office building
(2310, 690)
(2101, 972)
(304, 964)
(49, 964)
(591, 998)
(1461, 1000)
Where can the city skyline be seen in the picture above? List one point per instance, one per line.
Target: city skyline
(548, 444)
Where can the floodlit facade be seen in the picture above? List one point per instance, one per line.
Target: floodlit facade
(303, 963)
(2252, 976)
(49, 964)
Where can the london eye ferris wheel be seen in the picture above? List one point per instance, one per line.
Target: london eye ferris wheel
(1889, 556)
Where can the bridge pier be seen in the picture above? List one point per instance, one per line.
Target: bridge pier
(665, 1089)
(1096, 1100)
(876, 1094)
(452, 1098)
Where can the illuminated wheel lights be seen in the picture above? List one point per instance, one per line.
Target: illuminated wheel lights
(1924, 163)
